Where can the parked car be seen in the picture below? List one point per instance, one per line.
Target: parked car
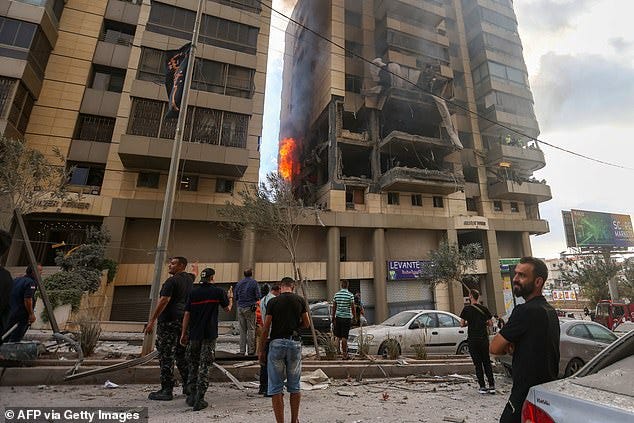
(579, 341)
(600, 392)
(321, 313)
(440, 331)
(623, 328)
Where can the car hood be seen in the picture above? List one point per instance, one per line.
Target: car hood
(376, 330)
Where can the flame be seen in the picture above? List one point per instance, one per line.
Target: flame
(288, 164)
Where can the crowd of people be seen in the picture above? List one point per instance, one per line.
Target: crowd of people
(186, 323)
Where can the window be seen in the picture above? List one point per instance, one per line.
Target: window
(418, 45)
(320, 311)
(114, 32)
(224, 186)
(353, 83)
(393, 198)
(249, 5)
(353, 47)
(86, 174)
(446, 321)
(189, 183)
(148, 180)
(202, 125)
(426, 321)
(6, 91)
(471, 204)
(497, 206)
(179, 23)
(515, 208)
(343, 248)
(353, 18)
(417, 200)
(354, 196)
(107, 79)
(209, 75)
(438, 202)
(601, 334)
(28, 42)
(21, 108)
(579, 331)
(16, 33)
(94, 128)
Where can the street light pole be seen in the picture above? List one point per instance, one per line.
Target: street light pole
(172, 180)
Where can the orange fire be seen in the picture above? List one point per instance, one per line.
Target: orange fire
(288, 164)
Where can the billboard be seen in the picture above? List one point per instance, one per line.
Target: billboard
(560, 295)
(596, 229)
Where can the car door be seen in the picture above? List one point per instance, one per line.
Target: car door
(577, 344)
(449, 333)
(419, 331)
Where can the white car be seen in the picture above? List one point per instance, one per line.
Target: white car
(440, 331)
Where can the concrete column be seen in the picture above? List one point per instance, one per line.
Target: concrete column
(526, 244)
(116, 226)
(332, 265)
(247, 254)
(494, 285)
(454, 288)
(380, 274)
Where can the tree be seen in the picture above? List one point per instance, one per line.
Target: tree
(450, 263)
(592, 273)
(27, 177)
(269, 208)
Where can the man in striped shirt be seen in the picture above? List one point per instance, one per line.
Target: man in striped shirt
(342, 315)
(200, 330)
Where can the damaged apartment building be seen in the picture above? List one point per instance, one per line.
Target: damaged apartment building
(407, 138)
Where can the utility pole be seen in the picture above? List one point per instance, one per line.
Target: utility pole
(172, 180)
(612, 283)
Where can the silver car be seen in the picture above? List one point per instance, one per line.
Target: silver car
(439, 330)
(600, 392)
(579, 341)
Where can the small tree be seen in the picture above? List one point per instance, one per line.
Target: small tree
(593, 272)
(26, 178)
(449, 263)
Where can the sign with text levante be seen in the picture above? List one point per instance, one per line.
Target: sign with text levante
(403, 270)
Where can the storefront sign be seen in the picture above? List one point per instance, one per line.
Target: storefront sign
(69, 204)
(471, 222)
(414, 269)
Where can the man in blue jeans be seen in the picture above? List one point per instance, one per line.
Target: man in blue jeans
(285, 315)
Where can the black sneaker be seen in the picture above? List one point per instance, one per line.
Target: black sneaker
(190, 400)
(200, 404)
(162, 395)
(187, 390)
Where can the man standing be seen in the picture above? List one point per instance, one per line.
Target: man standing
(6, 285)
(169, 313)
(285, 315)
(477, 317)
(247, 294)
(201, 318)
(342, 315)
(23, 303)
(531, 335)
(264, 376)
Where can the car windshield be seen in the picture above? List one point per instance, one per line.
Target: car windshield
(400, 319)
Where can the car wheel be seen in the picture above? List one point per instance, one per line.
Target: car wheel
(463, 348)
(384, 347)
(573, 367)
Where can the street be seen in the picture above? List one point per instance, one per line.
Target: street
(341, 402)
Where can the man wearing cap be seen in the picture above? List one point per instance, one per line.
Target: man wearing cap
(200, 331)
(169, 314)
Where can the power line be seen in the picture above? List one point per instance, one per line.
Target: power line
(424, 90)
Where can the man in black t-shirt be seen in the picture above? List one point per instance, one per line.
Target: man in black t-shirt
(200, 331)
(169, 313)
(285, 315)
(531, 335)
(478, 318)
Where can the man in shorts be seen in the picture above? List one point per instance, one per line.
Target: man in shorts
(343, 313)
(285, 315)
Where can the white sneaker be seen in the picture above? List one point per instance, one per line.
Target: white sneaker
(483, 390)
(491, 390)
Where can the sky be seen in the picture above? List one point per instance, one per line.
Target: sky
(580, 60)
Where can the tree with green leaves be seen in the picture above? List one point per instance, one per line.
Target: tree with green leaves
(593, 272)
(27, 177)
(450, 263)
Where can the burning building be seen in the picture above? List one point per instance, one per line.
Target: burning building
(393, 152)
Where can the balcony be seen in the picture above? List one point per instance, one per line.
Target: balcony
(397, 141)
(155, 153)
(524, 159)
(442, 182)
(529, 192)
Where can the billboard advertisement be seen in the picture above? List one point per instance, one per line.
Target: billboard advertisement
(596, 229)
(404, 270)
(568, 295)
